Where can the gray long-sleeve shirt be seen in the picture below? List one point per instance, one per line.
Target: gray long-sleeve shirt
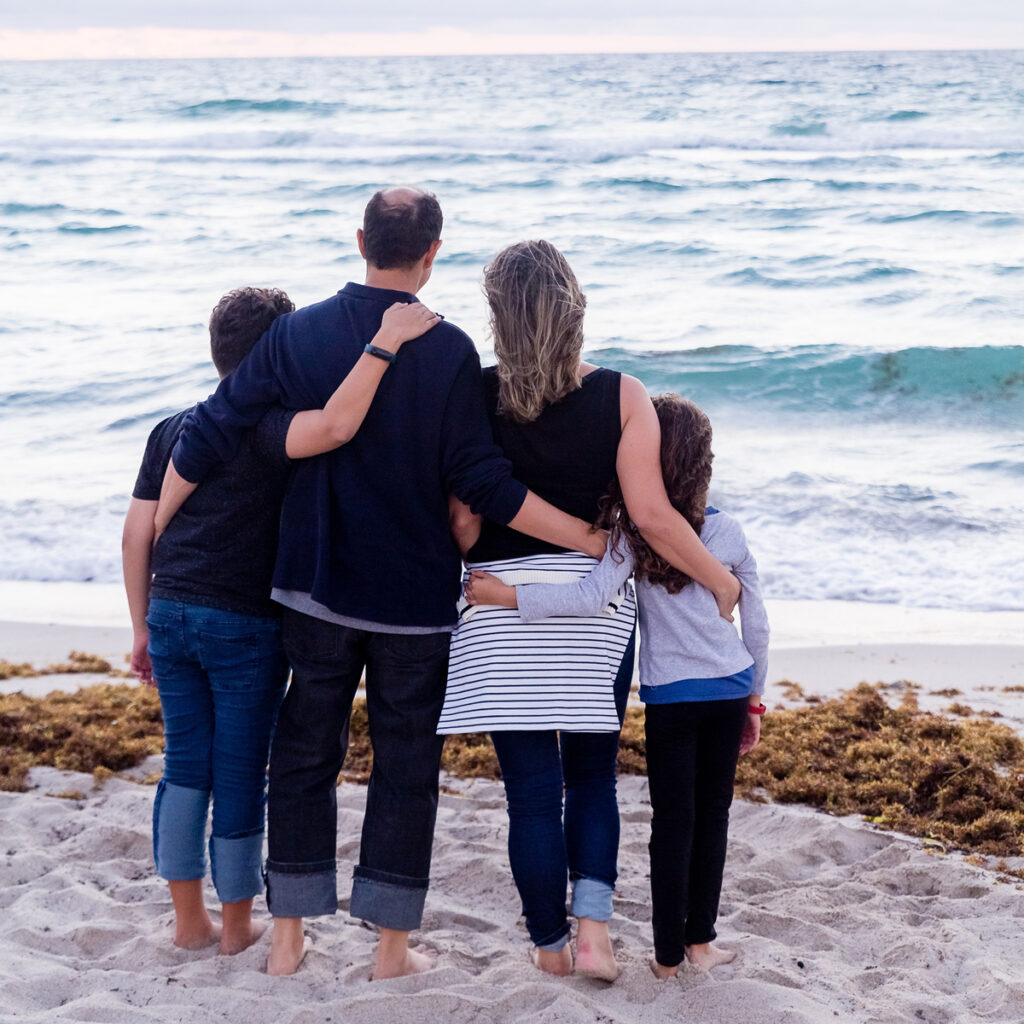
(682, 636)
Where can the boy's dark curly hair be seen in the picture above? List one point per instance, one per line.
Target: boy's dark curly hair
(239, 320)
(686, 466)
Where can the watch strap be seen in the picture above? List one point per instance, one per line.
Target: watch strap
(380, 353)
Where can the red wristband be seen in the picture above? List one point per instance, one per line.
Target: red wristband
(756, 709)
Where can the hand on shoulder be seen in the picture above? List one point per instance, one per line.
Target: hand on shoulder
(402, 322)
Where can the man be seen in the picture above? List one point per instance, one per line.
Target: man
(369, 575)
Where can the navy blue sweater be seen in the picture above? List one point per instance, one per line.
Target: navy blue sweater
(364, 529)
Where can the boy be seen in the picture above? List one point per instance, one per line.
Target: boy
(211, 639)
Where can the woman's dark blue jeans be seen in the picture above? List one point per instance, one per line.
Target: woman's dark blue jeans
(547, 847)
(221, 676)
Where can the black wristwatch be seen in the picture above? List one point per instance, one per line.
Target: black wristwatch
(381, 353)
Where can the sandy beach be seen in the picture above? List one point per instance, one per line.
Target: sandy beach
(832, 920)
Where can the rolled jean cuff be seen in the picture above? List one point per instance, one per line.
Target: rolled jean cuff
(179, 832)
(592, 898)
(237, 867)
(558, 944)
(302, 890)
(387, 900)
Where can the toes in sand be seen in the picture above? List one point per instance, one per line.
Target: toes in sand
(706, 956)
(416, 961)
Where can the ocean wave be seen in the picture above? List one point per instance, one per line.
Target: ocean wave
(990, 218)
(45, 540)
(13, 209)
(895, 298)
(219, 108)
(811, 136)
(856, 273)
(80, 228)
(983, 385)
(1006, 467)
(899, 115)
(800, 128)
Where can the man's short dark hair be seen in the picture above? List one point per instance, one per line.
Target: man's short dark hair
(398, 233)
(240, 319)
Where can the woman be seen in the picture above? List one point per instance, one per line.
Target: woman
(553, 694)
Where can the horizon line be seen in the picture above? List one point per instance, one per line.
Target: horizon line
(154, 43)
(525, 53)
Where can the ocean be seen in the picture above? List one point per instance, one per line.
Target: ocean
(825, 251)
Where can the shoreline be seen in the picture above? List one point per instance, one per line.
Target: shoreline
(795, 623)
(825, 646)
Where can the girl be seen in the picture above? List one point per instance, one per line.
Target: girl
(552, 695)
(700, 682)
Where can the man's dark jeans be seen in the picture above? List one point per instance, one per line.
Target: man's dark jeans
(405, 681)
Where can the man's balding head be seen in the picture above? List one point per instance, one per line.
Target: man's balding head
(399, 227)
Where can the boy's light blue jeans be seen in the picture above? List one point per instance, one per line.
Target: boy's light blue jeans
(221, 677)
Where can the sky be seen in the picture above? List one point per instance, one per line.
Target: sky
(246, 28)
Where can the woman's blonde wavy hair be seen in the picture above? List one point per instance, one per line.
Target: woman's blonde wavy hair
(537, 310)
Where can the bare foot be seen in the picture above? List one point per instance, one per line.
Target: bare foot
(594, 955)
(415, 961)
(233, 943)
(193, 928)
(557, 962)
(196, 935)
(287, 946)
(663, 973)
(705, 956)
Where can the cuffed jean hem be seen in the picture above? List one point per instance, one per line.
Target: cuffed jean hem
(179, 832)
(554, 945)
(387, 904)
(237, 867)
(311, 891)
(592, 898)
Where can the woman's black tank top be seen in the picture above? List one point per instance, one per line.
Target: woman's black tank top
(566, 456)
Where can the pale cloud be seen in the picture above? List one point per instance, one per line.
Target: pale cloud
(246, 28)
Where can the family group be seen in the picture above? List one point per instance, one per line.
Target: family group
(360, 503)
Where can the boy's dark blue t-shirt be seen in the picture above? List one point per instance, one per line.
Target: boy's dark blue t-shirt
(220, 548)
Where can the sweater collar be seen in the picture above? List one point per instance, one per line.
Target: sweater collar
(364, 291)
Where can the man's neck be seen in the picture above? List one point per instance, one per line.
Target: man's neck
(398, 279)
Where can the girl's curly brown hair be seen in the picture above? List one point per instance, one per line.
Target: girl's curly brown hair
(686, 466)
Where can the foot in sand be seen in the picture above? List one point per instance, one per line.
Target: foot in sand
(193, 928)
(394, 961)
(238, 931)
(241, 938)
(196, 935)
(663, 973)
(594, 956)
(705, 956)
(287, 946)
(557, 962)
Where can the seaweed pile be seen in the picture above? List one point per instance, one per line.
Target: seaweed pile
(77, 661)
(955, 782)
(99, 729)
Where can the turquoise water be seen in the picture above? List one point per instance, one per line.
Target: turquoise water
(824, 250)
